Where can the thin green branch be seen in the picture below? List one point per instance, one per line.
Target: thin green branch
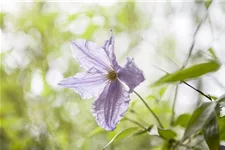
(207, 96)
(138, 116)
(186, 61)
(199, 91)
(152, 112)
(218, 82)
(135, 122)
(174, 104)
(194, 38)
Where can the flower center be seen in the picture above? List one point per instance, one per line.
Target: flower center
(112, 75)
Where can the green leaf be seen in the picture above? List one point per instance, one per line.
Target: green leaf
(182, 120)
(162, 91)
(189, 73)
(151, 97)
(208, 3)
(1, 19)
(221, 100)
(144, 131)
(95, 131)
(222, 128)
(167, 134)
(133, 103)
(140, 132)
(201, 116)
(213, 97)
(211, 133)
(211, 51)
(72, 17)
(123, 134)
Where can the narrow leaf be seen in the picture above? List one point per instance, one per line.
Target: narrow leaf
(208, 3)
(201, 116)
(72, 17)
(162, 91)
(167, 134)
(211, 51)
(211, 133)
(95, 131)
(182, 120)
(123, 134)
(213, 97)
(222, 128)
(221, 100)
(140, 132)
(1, 19)
(144, 131)
(189, 73)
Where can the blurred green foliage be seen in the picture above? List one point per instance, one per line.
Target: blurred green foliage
(57, 119)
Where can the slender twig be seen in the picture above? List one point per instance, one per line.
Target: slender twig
(174, 104)
(207, 96)
(199, 91)
(218, 82)
(211, 27)
(187, 59)
(194, 39)
(135, 122)
(152, 112)
(199, 86)
(137, 115)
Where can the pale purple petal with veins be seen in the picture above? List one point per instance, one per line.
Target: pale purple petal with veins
(111, 105)
(101, 65)
(90, 55)
(108, 46)
(131, 75)
(87, 84)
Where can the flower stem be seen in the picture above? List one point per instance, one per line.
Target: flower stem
(152, 112)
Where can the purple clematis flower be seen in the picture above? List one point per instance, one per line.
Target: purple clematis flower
(103, 77)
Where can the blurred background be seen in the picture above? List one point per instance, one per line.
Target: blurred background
(37, 114)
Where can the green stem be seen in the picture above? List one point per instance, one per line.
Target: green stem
(198, 90)
(152, 112)
(135, 122)
(189, 55)
(194, 39)
(174, 104)
(137, 115)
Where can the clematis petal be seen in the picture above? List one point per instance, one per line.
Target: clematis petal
(131, 75)
(108, 46)
(87, 84)
(111, 105)
(90, 55)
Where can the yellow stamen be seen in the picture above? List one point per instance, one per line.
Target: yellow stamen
(112, 75)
